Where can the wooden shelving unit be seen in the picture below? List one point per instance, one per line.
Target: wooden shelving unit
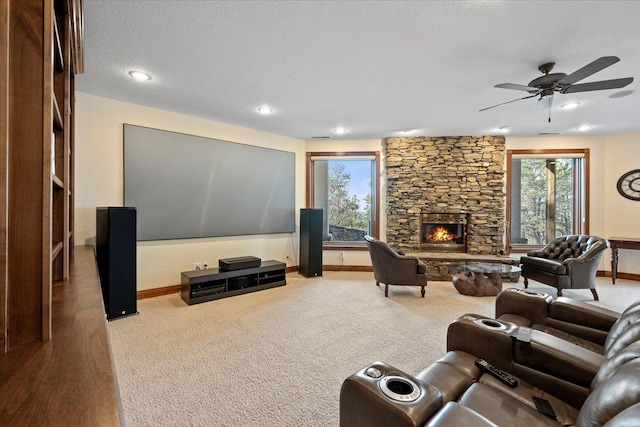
(39, 55)
(60, 153)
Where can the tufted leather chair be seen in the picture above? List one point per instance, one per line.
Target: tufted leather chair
(568, 262)
(394, 268)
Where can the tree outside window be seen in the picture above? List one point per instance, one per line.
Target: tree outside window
(547, 195)
(345, 187)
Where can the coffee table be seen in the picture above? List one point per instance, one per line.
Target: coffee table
(505, 271)
(482, 278)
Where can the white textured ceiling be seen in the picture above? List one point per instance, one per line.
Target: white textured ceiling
(373, 67)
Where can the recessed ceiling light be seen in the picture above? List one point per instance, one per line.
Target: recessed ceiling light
(340, 130)
(140, 75)
(265, 110)
(584, 128)
(570, 105)
(407, 131)
(503, 129)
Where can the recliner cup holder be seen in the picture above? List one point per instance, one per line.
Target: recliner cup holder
(399, 388)
(491, 324)
(533, 293)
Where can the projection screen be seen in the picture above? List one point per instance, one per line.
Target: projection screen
(186, 186)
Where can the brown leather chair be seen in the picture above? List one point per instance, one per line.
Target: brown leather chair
(454, 391)
(568, 262)
(395, 268)
(588, 326)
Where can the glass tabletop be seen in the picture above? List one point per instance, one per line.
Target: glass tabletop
(484, 267)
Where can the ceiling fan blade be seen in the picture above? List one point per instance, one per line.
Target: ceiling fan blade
(544, 102)
(601, 85)
(589, 69)
(517, 87)
(509, 102)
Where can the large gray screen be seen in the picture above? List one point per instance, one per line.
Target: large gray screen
(186, 186)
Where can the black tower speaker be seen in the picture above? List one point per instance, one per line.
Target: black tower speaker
(310, 242)
(116, 257)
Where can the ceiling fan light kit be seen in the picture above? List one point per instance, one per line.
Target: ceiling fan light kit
(545, 86)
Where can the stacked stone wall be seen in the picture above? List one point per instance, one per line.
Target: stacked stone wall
(446, 174)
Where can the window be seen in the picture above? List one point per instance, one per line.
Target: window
(346, 187)
(547, 195)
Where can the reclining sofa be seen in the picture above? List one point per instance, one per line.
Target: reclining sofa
(583, 388)
(588, 326)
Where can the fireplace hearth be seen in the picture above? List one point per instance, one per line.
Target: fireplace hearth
(443, 232)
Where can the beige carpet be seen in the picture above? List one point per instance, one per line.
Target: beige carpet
(278, 357)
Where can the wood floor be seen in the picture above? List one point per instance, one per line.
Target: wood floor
(69, 380)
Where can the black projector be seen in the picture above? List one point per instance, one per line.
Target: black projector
(238, 263)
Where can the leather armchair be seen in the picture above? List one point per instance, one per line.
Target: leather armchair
(568, 262)
(394, 268)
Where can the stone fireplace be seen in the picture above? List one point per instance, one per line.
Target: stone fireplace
(462, 174)
(443, 232)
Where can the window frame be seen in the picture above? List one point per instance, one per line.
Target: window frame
(375, 216)
(555, 152)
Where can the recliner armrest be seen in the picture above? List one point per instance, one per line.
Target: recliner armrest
(559, 358)
(531, 305)
(362, 403)
(483, 337)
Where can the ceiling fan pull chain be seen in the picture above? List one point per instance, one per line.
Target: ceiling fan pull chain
(549, 112)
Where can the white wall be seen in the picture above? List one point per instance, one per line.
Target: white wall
(622, 215)
(98, 182)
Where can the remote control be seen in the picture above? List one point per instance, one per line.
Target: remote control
(544, 407)
(499, 374)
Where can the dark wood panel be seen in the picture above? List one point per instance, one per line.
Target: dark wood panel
(366, 268)
(27, 107)
(4, 150)
(157, 292)
(69, 380)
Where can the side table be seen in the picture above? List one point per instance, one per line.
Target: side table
(616, 243)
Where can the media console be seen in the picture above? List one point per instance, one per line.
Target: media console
(213, 283)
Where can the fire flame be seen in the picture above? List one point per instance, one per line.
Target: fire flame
(441, 234)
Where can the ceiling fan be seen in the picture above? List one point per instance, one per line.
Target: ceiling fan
(546, 85)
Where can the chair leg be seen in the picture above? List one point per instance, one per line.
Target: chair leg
(386, 290)
(377, 283)
(559, 292)
(422, 291)
(595, 295)
(526, 282)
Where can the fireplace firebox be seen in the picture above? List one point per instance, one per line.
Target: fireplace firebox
(443, 232)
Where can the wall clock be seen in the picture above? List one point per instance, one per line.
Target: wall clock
(629, 185)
